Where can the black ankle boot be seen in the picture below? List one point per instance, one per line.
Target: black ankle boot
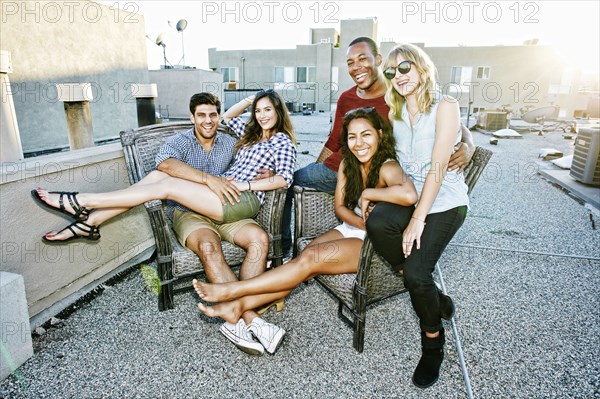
(446, 306)
(428, 369)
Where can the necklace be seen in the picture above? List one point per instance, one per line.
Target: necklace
(414, 114)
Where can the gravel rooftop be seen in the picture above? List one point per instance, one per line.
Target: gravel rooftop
(523, 271)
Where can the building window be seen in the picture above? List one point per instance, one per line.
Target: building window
(283, 74)
(230, 74)
(306, 74)
(461, 76)
(483, 73)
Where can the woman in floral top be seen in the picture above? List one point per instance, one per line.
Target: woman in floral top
(267, 141)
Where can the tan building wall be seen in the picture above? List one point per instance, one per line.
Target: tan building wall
(519, 76)
(256, 70)
(257, 67)
(176, 86)
(72, 42)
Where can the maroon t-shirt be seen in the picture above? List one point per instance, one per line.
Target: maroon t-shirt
(348, 101)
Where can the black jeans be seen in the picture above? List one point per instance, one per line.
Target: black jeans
(385, 226)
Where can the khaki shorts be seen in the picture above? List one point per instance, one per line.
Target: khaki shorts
(248, 207)
(185, 223)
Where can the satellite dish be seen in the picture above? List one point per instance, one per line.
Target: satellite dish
(540, 115)
(181, 25)
(160, 40)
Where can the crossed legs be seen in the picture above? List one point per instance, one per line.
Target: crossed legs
(327, 254)
(156, 185)
(99, 216)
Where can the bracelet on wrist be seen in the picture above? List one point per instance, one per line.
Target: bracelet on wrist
(249, 186)
(420, 220)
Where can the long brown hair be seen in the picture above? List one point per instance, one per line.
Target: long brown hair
(253, 131)
(385, 150)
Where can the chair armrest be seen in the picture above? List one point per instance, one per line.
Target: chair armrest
(475, 168)
(315, 212)
(364, 265)
(269, 218)
(161, 229)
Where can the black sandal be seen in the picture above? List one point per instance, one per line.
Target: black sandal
(93, 233)
(81, 212)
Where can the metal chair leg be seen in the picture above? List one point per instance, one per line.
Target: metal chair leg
(459, 350)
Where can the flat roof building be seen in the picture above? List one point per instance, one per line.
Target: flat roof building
(490, 77)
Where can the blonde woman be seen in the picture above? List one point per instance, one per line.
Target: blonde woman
(426, 126)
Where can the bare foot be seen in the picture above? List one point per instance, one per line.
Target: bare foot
(221, 292)
(228, 311)
(59, 235)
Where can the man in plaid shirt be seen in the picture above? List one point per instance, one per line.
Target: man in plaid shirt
(201, 155)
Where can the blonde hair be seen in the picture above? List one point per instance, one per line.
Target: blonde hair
(427, 79)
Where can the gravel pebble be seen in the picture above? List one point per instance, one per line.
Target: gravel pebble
(528, 321)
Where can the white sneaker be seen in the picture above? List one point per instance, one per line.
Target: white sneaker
(269, 335)
(238, 334)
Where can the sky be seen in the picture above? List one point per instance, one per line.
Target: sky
(571, 26)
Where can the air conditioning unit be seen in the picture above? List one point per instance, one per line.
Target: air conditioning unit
(493, 120)
(586, 158)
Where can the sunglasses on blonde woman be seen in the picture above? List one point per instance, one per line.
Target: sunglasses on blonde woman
(403, 67)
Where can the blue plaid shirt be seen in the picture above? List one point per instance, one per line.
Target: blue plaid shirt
(185, 147)
(278, 154)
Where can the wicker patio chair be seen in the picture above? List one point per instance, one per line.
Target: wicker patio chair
(175, 262)
(374, 280)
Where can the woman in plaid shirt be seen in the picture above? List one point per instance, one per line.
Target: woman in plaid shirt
(267, 141)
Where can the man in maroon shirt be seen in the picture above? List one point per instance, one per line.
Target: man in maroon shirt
(363, 60)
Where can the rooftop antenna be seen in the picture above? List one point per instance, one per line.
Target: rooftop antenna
(180, 27)
(160, 41)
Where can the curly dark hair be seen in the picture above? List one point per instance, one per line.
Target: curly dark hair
(386, 150)
(254, 131)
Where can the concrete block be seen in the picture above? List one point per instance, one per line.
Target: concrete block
(15, 334)
(74, 92)
(139, 90)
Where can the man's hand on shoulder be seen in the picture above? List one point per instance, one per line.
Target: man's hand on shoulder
(224, 189)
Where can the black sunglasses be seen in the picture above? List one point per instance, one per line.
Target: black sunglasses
(268, 91)
(403, 68)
